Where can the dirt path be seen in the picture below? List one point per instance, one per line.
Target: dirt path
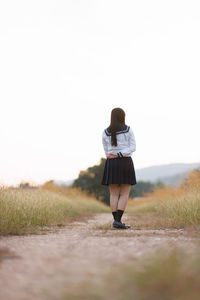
(76, 252)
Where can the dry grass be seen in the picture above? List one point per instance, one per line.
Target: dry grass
(30, 211)
(182, 210)
(69, 191)
(175, 212)
(171, 207)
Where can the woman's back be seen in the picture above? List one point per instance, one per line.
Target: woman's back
(126, 143)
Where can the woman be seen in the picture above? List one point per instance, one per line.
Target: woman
(119, 174)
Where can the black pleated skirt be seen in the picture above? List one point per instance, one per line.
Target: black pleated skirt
(119, 170)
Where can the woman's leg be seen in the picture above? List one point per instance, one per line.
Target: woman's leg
(114, 196)
(124, 194)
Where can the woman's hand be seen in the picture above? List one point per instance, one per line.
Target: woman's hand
(110, 155)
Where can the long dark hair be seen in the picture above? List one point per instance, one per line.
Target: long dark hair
(117, 122)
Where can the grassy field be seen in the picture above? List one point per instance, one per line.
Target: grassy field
(27, 211)
(177, 211)
(31, 210)
(171, 207)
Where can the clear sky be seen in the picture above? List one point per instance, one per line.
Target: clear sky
(64, 65)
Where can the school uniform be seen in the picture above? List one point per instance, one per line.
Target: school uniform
(119, 170)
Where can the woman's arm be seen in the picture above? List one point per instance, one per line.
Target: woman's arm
(105, 146)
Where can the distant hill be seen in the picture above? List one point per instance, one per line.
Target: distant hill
(174, 180)
(170, 174)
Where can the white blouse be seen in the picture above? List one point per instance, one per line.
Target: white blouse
(126, 144)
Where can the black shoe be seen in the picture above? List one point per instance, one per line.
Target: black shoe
(119, 225)
(127, 226)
